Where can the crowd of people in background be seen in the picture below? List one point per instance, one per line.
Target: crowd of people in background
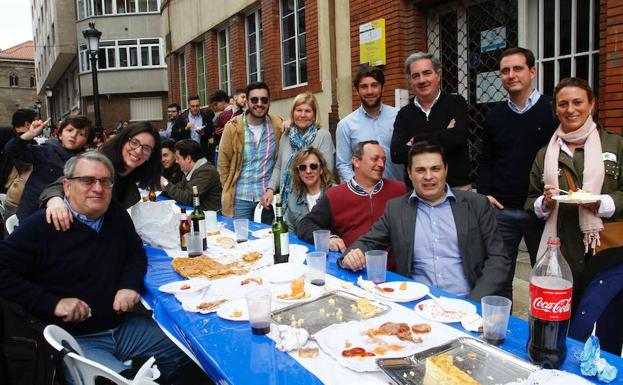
(395, 179)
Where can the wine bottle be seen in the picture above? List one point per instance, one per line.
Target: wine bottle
(184, 228)
(280, 234)
(198, 218)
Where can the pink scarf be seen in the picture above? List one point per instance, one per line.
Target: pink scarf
(593, 178)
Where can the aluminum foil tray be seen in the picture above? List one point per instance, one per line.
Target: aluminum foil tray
(483, 362)
(324, 311)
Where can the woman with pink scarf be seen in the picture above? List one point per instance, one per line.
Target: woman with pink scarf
(592, 158)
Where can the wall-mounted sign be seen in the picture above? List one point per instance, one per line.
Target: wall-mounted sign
(493, 39)
(372, 43)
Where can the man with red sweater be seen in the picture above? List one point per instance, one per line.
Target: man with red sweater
(350, 209)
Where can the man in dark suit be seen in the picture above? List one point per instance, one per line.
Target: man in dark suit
(199, 126)
(441, 237)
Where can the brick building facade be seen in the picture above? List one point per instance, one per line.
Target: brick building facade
(17, 80)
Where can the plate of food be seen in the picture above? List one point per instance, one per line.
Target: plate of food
(203, 306)
(297, 291)
(454, 310)
(357, 345)
(263, 233)
(401, 291)
(235, 310)
(283, 272)
(577, 197)
(185, 286)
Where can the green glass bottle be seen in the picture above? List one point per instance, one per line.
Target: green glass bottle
(198, 218)
(280, 234)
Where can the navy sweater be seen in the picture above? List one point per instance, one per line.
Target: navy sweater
(411, 122)
(510, 143)
(39, 266)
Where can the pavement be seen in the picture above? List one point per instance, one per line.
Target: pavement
(521, 300)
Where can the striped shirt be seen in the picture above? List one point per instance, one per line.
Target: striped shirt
(257, 162)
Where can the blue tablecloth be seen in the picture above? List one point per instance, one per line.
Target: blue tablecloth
(229, 352)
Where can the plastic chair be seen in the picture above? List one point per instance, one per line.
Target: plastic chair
(83, 371)
(11, 223)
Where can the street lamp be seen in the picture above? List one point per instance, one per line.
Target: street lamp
(49, 93)
(38, 107)
(93, 46)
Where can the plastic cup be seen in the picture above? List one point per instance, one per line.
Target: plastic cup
(211, 224)
(241, 227)
(376, 265)
(258, 304)
(316, 267)
(495, 313)
(194, 243)
(321, 240)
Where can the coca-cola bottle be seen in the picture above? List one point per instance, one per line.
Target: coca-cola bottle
(551, 287)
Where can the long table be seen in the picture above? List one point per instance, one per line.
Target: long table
(231, 354)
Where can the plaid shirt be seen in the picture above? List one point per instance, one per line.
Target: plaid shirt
(257, 162)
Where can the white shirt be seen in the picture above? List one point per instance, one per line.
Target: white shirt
(311, 200)
(256, 131)
(426, 112)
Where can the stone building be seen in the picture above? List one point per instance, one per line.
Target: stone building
(17, 80)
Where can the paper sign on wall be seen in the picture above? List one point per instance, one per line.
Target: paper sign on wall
(372, 43)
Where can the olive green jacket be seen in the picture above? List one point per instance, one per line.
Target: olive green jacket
(571, 238)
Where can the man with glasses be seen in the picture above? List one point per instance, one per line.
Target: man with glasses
(197, 172)
(173, 120)
(88, 278)
(434, 116)
(247, 153)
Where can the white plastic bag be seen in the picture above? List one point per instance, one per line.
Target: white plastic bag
(157, 223)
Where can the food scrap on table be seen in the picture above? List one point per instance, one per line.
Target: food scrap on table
(297, 290)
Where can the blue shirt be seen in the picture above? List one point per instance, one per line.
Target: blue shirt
(95, 224)
(436, 258)
(197, 122)
(532, 99)
(359, 126)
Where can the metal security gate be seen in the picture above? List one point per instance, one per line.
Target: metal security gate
(468, 37)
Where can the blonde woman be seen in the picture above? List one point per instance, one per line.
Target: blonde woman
(304, 132)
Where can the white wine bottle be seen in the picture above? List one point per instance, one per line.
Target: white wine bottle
(280, 234)
(198, 218)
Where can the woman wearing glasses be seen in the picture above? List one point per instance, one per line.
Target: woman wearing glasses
(135, 154)
(303, 133)
(310, 179)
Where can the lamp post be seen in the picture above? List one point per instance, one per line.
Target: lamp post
(49, 93)
(93, 45)
(38, 107)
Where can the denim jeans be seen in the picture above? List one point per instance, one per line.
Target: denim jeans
(244, 209)
(138, 336)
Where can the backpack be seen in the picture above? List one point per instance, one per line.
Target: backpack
(26, 358)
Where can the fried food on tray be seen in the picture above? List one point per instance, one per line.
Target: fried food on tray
(256, 280)
(210, 306)
(205, 266)
(400, 330)
(251, 256)
(297, 290)
(225, 242)
(441, 370)
(421, 328)
(366, 309)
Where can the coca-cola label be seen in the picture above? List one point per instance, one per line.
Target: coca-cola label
(550, 304)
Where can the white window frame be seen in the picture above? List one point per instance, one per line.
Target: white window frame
(296, 42)
(201, 87)
(117, 46)
(181, 59)
(86, 8)
(534, 10)
(259, 46)
(225, 86)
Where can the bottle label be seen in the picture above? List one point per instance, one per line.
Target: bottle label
(285, 244)
(550, 304)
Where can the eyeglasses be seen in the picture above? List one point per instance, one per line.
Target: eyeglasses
(145, 148)
(303, 167)
(255, 99)
(91, 180)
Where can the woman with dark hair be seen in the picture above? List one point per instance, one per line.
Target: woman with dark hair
(135, 154)
(310, 179)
